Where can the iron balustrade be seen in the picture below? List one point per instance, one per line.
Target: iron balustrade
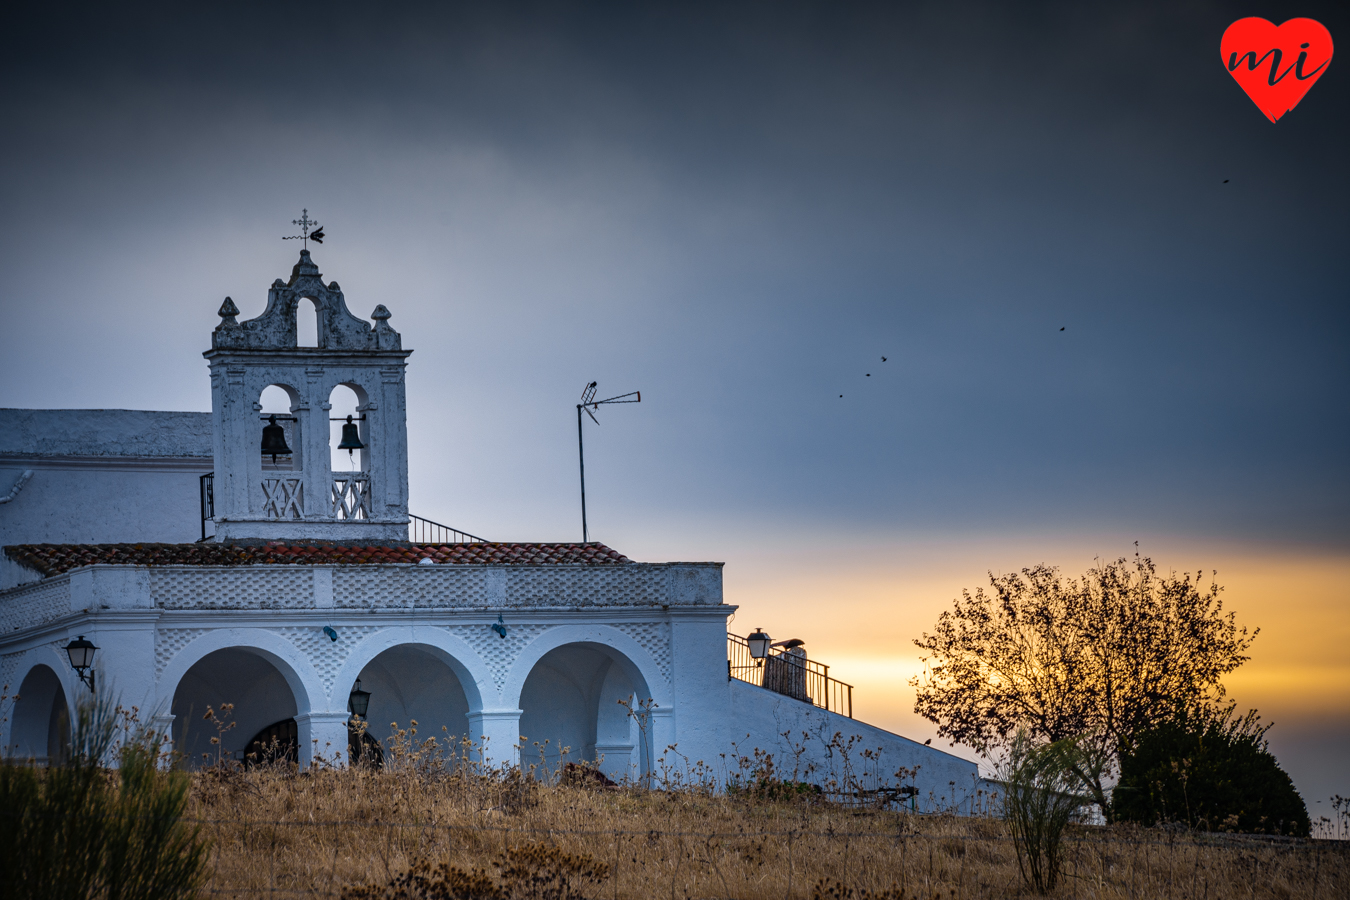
(789, 674)
(207, 485)
(425, 531)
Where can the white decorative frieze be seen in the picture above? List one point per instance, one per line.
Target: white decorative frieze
(579, 586)
(655, 638)
(168, 643)
(33, 604)
(325, 654)
(499, 653)
(255, 587)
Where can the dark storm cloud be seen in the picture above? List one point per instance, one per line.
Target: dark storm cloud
(743, 207)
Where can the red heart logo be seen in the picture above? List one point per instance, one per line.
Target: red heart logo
(1276, 65)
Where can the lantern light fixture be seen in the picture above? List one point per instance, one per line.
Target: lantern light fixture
(759, 644)
(81, 653)
(358, 701)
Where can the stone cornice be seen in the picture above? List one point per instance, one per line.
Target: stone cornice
(194, 464)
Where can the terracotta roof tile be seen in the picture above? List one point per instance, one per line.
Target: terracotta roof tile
(54, 559)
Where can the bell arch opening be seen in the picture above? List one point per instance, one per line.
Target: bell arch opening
(41, 717)
(233, 677)
(348, 400)
(279, 401)
(307, 322)
(585, 703)
(409, 683)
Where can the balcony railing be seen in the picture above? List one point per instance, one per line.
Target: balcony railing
(207, 485)
(425, 531)
(351, 496)
(791, 674)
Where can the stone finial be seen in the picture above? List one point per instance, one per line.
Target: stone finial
(333, 286)
(227, 312)
(386, 338)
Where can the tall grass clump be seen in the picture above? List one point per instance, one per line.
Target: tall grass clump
(81, 829)
(1041, 798)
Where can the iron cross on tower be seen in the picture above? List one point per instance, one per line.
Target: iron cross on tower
(305, 234)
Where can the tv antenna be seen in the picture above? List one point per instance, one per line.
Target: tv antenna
(590, 405)
(305, 223)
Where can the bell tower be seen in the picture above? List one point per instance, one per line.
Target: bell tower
(274, 479)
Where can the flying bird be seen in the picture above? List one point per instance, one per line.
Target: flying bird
(1061, 329)
(883, 359)
(1225, 181)
(841, 396)
(869, 374)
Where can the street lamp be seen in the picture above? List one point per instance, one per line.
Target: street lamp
(759, 644)
(358, 701)
(81, 653)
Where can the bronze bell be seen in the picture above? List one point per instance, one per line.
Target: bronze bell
(351, 437)
(274, 439)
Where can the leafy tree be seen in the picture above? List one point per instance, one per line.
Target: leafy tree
(1211, 770)
(1101, 658)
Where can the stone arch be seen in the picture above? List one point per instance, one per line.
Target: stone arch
(45, 695)
(292, 396)
(463, 660)
(293, 666)
(640, 666)
(571, 686)
(266, 678)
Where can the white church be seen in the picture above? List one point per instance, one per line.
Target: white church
(182, 561)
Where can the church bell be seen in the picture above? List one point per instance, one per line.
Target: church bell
(274, 439)
(351, 438)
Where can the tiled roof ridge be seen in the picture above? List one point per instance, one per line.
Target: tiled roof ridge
(56, 559)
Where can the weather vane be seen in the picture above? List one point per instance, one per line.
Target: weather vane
(305, 234)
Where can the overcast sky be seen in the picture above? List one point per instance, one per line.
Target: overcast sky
(1111, 295)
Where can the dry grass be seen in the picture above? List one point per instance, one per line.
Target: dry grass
(275, 831)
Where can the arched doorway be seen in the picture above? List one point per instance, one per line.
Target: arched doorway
(410, 683)
(41, 718)
(573, 710)
(259, 693)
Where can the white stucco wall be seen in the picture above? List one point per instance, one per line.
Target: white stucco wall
(800, 735)
(100, 476)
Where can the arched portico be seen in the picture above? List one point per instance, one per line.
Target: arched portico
(575, 686)
(267, 680)
(40, 717)
(416, 673)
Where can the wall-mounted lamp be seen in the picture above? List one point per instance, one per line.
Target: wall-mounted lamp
(81, 653)
(499, 626)
(332, 635)
(358, 701)
(759, 644)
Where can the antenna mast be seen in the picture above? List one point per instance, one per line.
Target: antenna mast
(590, 404)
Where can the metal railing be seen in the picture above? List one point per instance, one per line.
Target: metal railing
(791, 674)
(425, 531)
(207, 484)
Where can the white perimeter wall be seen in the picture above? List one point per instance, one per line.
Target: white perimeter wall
(759, 718)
